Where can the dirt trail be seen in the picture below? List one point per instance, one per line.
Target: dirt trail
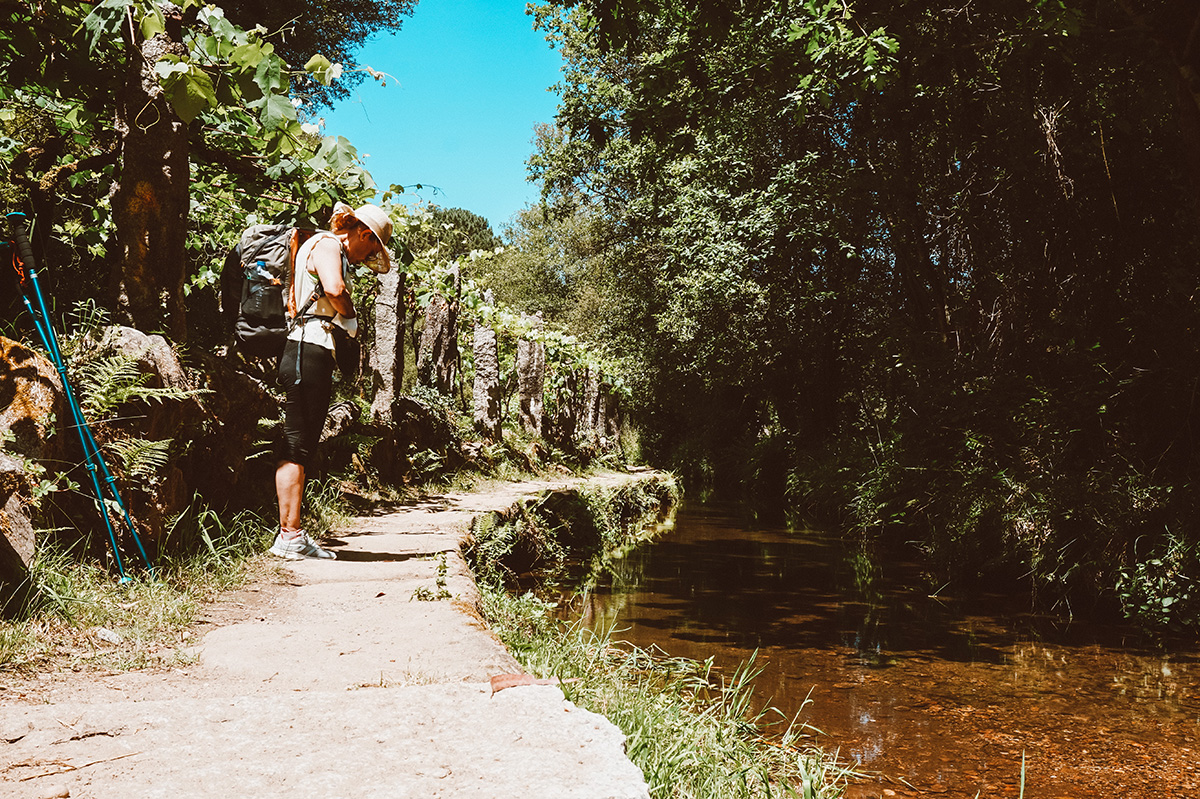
(335, 684)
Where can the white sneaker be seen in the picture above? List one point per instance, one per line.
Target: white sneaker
(299, 548)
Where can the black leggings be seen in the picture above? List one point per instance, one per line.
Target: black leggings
(308, 394)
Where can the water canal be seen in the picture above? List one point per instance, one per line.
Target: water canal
(928, 695)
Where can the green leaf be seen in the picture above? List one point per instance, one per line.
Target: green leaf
(170, 64)
(277, 112)
(153, 23)
(105, 21)
(248, 56)
(322, 71)
(249, 89)
(290, 137)
(337, 153)
(187, 87)
(269, 75)
(318, 63)
(222, 28)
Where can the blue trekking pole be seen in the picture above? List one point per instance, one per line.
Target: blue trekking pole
(96, 466)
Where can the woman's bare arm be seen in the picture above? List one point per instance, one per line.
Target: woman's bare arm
(327, 257)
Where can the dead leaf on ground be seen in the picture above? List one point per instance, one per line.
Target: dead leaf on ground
(502, 681)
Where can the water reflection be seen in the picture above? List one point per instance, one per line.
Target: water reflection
(932, 695)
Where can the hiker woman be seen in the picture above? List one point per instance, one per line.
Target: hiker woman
(306, 371)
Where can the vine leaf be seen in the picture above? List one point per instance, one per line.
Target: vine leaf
(153, 23)
(187, 87)
(269, 75)
(277, 111)
(322, 71)
(105, 21)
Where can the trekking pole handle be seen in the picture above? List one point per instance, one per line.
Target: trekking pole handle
(19, 224)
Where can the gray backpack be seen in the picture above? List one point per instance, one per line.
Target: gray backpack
(262, 263)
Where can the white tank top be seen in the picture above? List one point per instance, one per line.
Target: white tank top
(305, 282)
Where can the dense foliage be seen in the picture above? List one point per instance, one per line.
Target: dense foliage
(929, 268)
(139, 140)
(333, 28)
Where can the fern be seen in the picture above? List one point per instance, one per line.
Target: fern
(269, 430)
(107, 383)
(140, 457)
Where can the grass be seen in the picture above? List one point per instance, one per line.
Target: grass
(691, 732)
(77, 616)
(556, 532)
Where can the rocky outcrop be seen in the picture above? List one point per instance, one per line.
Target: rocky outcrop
(219, 459)
(560, 426)
(152, 496)
(387, 350)
(17, 539)
(340, 419)
(531, 380)
(487, 380)
(31, 405)
(31, 402)
(437, 358)
(210, 416)
(590, 392)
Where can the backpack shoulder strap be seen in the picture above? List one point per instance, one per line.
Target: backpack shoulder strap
(300, 236)
(289, 289)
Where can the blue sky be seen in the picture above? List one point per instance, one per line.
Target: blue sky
(471, 79)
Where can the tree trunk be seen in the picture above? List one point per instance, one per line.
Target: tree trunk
(150, 198)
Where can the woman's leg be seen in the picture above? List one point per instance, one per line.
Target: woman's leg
(306, 374)
(289, 487)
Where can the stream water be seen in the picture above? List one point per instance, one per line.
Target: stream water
(928, 695)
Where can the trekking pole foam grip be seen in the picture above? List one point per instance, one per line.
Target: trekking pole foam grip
(20, 230)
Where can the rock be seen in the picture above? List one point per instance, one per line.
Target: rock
(608, 416)
(531, 380)
(387, 350)
(561, 426)
(438, 354)
(472, 450)
(151, 498)
(216, 461)
(107, 635)
(340, 418)
(420, 428)
(487, 381)
(158, 361)
(17, 538)
(31, 402)
(153, 354)
(590, 392)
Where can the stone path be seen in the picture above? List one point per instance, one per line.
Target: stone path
(337, 684)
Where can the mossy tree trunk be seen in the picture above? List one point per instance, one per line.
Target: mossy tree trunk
(150, 196)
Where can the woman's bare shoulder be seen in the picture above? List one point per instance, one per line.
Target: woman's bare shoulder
(326, 247)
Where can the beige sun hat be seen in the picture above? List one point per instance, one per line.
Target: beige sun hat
(380, 224)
